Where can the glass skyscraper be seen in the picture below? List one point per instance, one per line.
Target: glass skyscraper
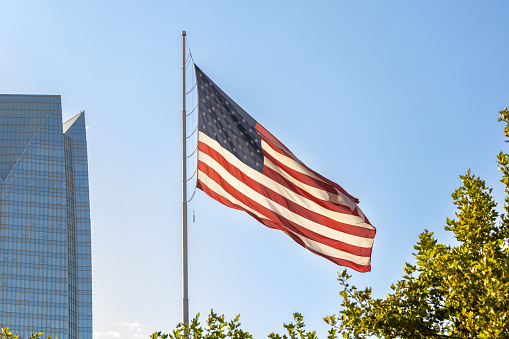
(45, 248)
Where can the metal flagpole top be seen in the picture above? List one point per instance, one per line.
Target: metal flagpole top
(183, 33)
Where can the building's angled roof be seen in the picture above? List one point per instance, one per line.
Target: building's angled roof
(71, 121)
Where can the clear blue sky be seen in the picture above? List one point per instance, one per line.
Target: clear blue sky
(392, 100)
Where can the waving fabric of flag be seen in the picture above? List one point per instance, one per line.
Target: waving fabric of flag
(243, 166)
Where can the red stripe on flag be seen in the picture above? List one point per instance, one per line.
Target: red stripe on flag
(267, 135)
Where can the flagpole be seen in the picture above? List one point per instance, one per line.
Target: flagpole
(185, 300)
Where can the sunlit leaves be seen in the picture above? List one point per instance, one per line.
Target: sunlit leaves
(7, 334)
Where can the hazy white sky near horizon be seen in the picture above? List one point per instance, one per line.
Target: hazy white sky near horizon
(393, 100)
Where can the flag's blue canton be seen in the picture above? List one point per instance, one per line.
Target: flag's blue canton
(225, 121)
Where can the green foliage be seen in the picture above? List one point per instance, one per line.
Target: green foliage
(217, 327)
(6, 334)
(452, 291)
(295, 331)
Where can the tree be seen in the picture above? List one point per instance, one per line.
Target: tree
(451, 291)
(6, 334)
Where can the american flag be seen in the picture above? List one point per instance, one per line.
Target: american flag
(243, 166)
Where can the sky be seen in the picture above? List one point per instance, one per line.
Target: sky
(393, 100)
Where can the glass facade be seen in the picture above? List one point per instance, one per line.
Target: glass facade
(45, 248)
